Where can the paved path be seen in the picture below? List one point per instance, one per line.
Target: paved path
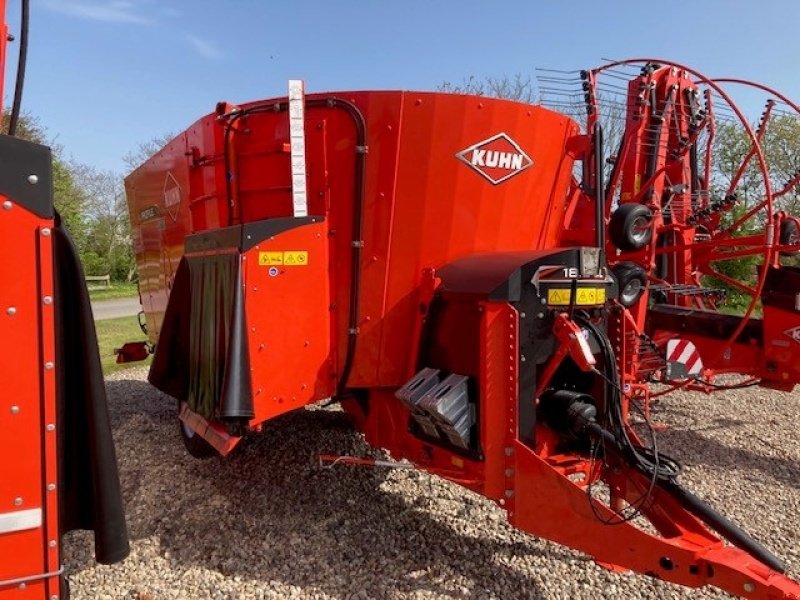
(118, 307)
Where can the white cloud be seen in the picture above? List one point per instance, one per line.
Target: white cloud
(109, 11)
(203, 48)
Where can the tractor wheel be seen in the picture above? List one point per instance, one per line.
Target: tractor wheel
(790, 234)
(631, 226)
(631, 282)
(194, 444)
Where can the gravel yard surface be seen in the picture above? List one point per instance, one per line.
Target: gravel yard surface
(269, 523)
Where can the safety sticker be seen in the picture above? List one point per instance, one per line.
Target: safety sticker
(583, 296)
(685, 353)
(297, 258)
(289, 258)
(270, 258)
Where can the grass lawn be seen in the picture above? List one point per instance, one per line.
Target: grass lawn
(117, 290)
(112, 333)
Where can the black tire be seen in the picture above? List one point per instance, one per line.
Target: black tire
(194, 444)
(631, 226)
(631, 282)
(790, 234)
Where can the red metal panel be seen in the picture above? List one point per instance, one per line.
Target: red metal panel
(27, 407)
(287, 305)
(444, 210)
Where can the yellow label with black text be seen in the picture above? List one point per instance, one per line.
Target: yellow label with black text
(295, 258)
(583, 296)
(266, 259)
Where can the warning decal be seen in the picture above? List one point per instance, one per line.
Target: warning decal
(583, 296)
(297, 258)
(289, 258)
(270, 258)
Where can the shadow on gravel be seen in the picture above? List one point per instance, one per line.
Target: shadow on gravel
(701, 449)
(270, 513)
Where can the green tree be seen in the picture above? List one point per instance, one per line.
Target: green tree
(68, 198)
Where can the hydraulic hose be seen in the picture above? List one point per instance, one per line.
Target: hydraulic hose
(21, 62)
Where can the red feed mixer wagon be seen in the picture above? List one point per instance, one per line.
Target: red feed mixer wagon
(488, 293)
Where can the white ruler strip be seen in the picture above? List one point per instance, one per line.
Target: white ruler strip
(297, 138)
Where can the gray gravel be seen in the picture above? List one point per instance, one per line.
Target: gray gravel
(268, 523)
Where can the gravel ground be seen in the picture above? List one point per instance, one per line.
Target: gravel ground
(268, 523)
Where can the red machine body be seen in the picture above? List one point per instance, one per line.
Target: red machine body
(454, 274)
(58, 472)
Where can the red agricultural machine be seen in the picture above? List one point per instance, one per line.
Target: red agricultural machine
(58, 472)
(487, 291)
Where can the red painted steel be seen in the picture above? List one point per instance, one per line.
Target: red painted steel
(403, 184)
(27, 410)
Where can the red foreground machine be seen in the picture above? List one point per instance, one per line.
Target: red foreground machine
(481, 296)
(58, 471)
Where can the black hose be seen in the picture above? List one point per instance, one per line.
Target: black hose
(599, 192)
(21, 62)
(358, 206)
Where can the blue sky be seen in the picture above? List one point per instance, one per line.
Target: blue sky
(104, 75)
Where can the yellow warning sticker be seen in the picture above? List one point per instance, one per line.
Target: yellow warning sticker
(297, 258)
(289, 258)
(266, 259)
(583, 296)
(558, 296)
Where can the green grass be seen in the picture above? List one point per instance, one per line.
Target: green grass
(117, 290)
(112, 333)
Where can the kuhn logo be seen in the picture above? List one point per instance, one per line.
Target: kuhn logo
(794, 333)
(497, 158)
(172, 196)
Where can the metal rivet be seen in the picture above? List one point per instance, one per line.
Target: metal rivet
(22, 586)
(50, 427)
(48, 365)
(51, 487)
(7, 205)
(749, 587)
(54, 597)
(11, 310)
(17, 501)
(15, 410)
(52, 543)
(47, 299)
(33, 179)
(46, 231)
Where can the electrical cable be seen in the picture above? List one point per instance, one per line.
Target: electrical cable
(21, 62)
(645, 460)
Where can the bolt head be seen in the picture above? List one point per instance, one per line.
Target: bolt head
(50, 427)
(52, 543)
(46, 231)
(48, 365)
(7, 205)
(749, 587)
(51, 487)
(17, 501)
(15, 410)
(47, 299)
(33, 179)
(11, 311)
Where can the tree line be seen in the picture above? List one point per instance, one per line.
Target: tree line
(91, 203)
